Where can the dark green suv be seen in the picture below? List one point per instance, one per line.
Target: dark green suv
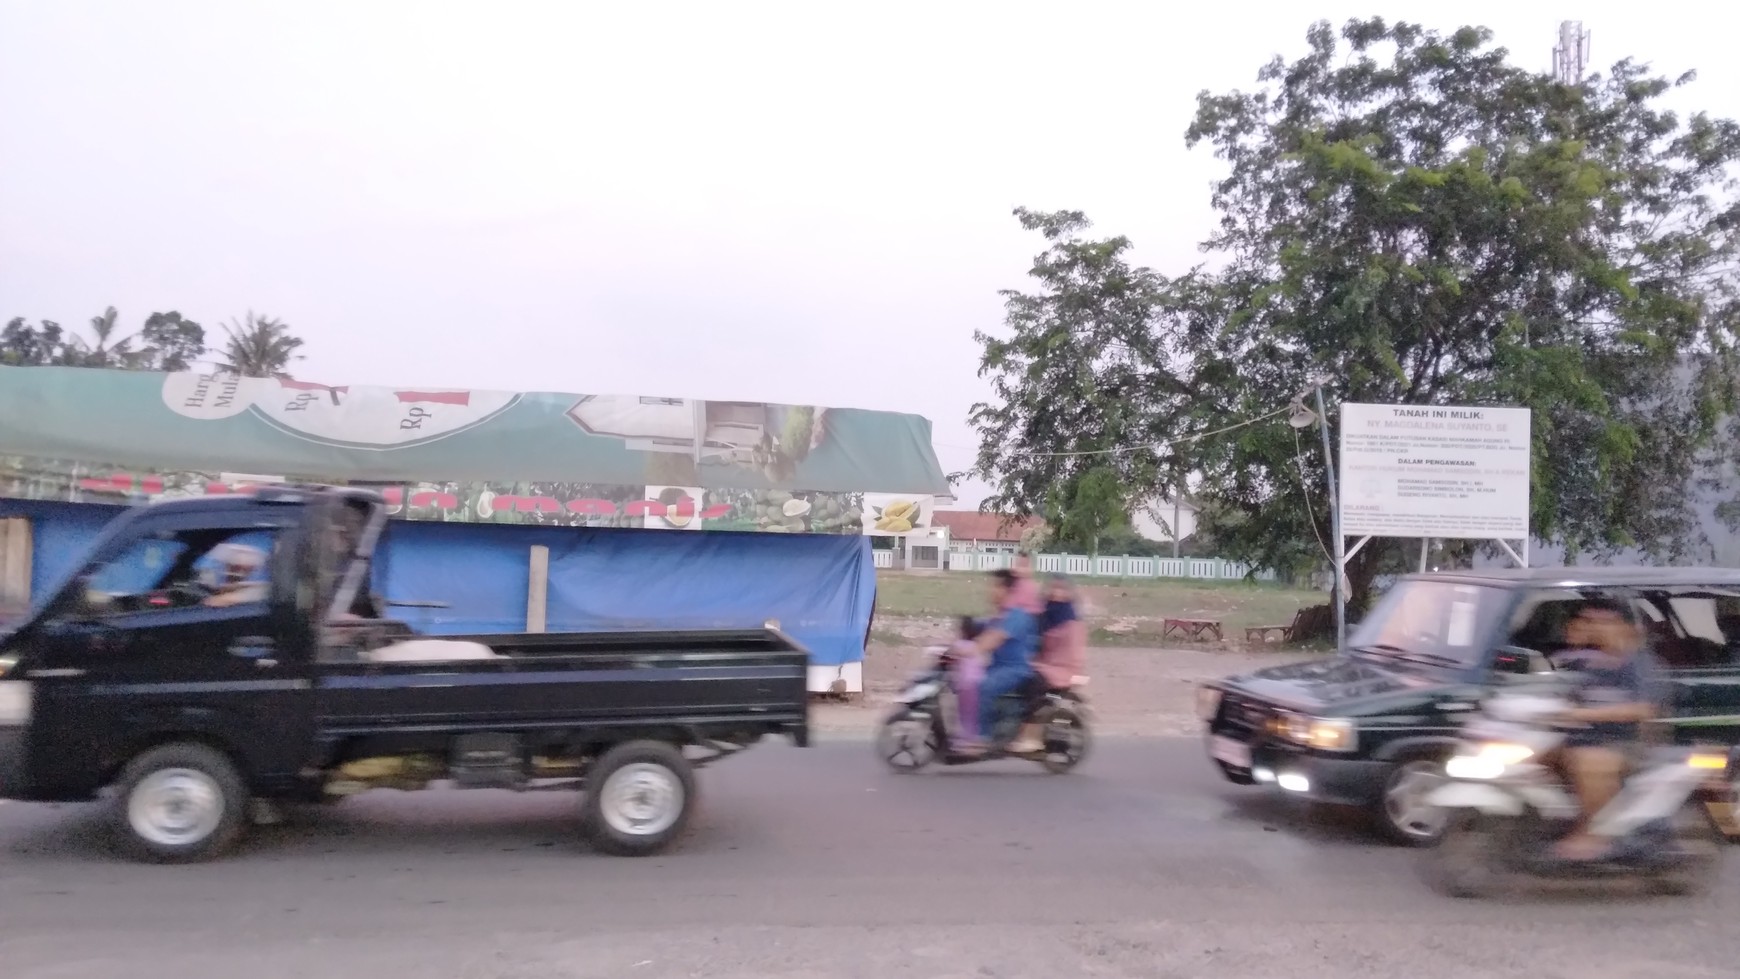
(1373, 725)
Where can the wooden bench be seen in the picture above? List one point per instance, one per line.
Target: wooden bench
(1305, 622)
(1268, 633)
(1193, 629)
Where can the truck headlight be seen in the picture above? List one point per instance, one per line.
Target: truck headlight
(1325, 733)
(1489, 761)
(1207, 702)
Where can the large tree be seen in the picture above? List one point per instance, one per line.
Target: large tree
(1073, 381)
(1414, 218)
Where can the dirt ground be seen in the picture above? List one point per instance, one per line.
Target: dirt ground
(1120, 613)
(1132, 690)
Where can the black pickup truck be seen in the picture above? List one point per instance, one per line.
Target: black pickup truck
(1372, 726)
(217, 657)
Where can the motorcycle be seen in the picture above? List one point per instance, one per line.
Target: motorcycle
(1507, 805)
(917, 732)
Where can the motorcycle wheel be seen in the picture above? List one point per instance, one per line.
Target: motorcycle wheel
(1466, 859)
(907, 740)
(1065, 733)
(1700, 845)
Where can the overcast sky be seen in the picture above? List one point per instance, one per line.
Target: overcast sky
(804, 202)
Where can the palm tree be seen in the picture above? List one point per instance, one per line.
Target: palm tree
(259, 347)
(106, 351)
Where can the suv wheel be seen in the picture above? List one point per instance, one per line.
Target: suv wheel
(1402, 813)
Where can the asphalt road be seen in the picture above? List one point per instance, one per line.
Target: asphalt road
(816, 862)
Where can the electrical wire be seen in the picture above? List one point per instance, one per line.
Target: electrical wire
(1153, 446)
(1305, 484)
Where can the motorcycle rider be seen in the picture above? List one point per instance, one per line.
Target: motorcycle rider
(1617, 689)
(1010, 639)
(969, 671)
(1061, 658)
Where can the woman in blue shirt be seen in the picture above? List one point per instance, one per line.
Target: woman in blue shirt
(1011, 639)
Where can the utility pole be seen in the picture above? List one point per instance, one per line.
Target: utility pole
(1571, 56)
(1175, 533)
(1335, 514)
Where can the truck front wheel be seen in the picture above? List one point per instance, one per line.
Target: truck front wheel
(179, 803)
(639, 797)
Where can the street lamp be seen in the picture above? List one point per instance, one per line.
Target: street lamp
(1303, 417)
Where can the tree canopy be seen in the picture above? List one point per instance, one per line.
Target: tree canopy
(1409, 215)
(167, 342)
(260, 347)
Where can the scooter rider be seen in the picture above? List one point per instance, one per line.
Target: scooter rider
(1011, 640)
(1617, 690)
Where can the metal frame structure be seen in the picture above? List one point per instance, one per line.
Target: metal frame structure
(1342, 552)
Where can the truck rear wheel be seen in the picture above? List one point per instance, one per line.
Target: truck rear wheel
(638, 798)
(179, 803)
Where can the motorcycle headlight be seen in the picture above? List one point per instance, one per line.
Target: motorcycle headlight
(1489, 761)
(1207, 702)
(1325, 733)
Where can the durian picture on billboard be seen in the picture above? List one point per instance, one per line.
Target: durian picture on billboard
(1434, 471)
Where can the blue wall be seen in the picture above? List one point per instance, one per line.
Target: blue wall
(820, 588)
(60, 535)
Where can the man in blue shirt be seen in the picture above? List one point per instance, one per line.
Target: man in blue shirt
(1010, 638)
(1618, 688)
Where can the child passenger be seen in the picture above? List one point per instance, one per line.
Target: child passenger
(969, 672)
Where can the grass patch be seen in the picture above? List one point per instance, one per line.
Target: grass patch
(1235, 604)
(887, 637)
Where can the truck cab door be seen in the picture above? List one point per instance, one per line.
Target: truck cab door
(141, 650)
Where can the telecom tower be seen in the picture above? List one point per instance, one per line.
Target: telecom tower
(1572, 54)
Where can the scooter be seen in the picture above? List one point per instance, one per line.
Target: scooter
(917, 732)
(1508, 804)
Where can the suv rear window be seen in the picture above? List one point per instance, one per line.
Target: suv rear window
(1693, 628)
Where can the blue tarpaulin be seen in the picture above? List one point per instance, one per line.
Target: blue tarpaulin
(60, 534)
(820, 588)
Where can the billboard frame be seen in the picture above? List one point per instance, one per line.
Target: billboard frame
(1343, 553)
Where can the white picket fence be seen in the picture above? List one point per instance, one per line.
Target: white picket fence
(1086, 566)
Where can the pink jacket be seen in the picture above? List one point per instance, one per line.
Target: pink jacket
(1062, 654)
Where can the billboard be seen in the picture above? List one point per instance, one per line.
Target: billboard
(465, 455)
(1435, 471)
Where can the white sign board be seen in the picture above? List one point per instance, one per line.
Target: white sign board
(1431, 471)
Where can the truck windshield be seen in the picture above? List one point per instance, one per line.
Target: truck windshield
(1438, 623)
